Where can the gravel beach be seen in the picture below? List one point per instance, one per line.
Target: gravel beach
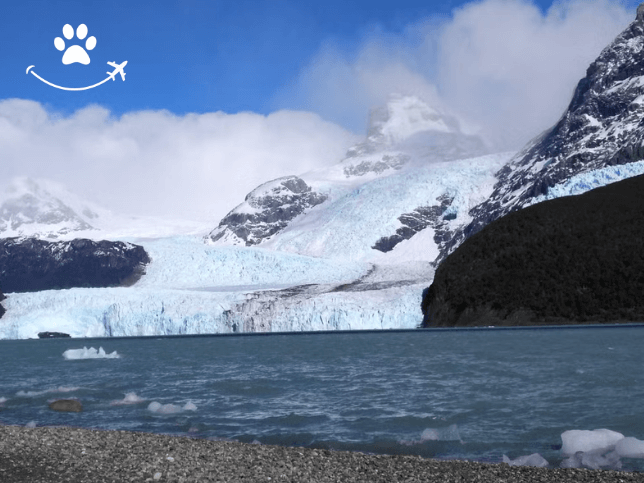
(64, 454)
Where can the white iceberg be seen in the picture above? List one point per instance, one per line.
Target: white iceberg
(91, 353)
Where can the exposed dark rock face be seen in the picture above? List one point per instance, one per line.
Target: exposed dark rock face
(603, 126)
(52, 335)
(29, 265)
(267, 210)
(578, 259)
(419, 219)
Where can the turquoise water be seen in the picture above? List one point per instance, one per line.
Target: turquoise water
(443, 394)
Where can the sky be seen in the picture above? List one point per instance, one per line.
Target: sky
(223, 95)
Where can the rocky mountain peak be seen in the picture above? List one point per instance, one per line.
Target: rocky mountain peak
(39, 207)
(266, 210)
(640, 13)
(404, 116)
(602, 127)
(412, 125)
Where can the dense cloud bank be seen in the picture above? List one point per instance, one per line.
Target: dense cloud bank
(577, 259)
(505, 67)
(157, 163)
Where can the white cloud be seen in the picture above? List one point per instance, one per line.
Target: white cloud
(513, 70)
(157, 163)
(502, 65)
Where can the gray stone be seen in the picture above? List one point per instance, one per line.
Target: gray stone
(66, 406)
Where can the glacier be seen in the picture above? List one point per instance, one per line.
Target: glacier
(583, 182)
(194, 288)
(319, 272)
(347, 225)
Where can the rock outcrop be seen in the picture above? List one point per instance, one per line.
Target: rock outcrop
(66, 406)
(267, 210)
(436, 216)
(577, 259)
(30, 265)
(53, 335)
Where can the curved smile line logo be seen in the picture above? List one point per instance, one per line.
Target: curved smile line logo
(78, 54)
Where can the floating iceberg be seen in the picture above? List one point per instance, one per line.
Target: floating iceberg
(91, 353)
(630, 448)
(159, 408)
(577, 440)
(600, 448)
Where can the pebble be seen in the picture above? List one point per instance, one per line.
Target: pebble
(50, 455)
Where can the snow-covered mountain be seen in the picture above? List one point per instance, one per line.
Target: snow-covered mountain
(42, 208)
(598, 140)
(396, 197)
(345, 247)
(45, 209)
(350, 246)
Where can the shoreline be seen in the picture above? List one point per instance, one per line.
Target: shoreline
(613, 324)
(65, 454)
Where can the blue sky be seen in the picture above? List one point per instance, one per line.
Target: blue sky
(190, 56)
(291, 83)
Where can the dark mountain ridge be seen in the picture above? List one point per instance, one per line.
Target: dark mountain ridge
(577, 259)
(29, 265)
(603, 126)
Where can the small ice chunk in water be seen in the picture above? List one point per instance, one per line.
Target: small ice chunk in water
(449, 433)
(534, 459)
(630, 448)
(159, 408)
(596, 449)
(599, 440)
(3, 400)
(30, 424)
(130, 398)
(91, 353)
(154, 406)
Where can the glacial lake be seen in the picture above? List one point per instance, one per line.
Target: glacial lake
(447, 394)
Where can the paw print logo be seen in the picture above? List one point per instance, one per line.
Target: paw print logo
(75, 53)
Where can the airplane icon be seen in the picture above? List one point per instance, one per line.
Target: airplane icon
(118, 69)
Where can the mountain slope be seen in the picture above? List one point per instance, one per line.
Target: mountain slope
(599, 138)
(298, 253)
(576, 259)
(29, 207)
(416, 172)
(44, 209)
